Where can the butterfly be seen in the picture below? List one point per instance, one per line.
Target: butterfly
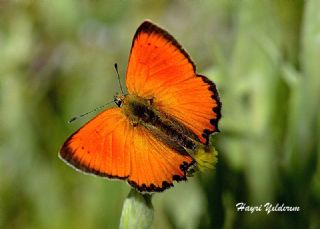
(159, 131)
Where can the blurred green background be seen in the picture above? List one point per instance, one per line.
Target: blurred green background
(56, 61)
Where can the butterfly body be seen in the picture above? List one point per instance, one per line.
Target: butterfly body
(160, 130)
(144, 113)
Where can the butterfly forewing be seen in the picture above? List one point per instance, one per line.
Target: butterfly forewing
(159, 68)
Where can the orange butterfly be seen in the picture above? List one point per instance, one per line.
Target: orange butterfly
(160, 130)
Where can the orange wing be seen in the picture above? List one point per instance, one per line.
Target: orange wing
(160, 69)
(110, 146)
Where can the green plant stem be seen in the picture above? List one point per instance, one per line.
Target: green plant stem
(137, 211)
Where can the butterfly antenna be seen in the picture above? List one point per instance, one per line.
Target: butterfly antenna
(116, 67)
(94, 110)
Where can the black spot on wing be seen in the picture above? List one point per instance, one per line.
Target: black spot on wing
(217, 109)
(165, 184)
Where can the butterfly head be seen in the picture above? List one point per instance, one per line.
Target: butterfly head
(118, 99)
